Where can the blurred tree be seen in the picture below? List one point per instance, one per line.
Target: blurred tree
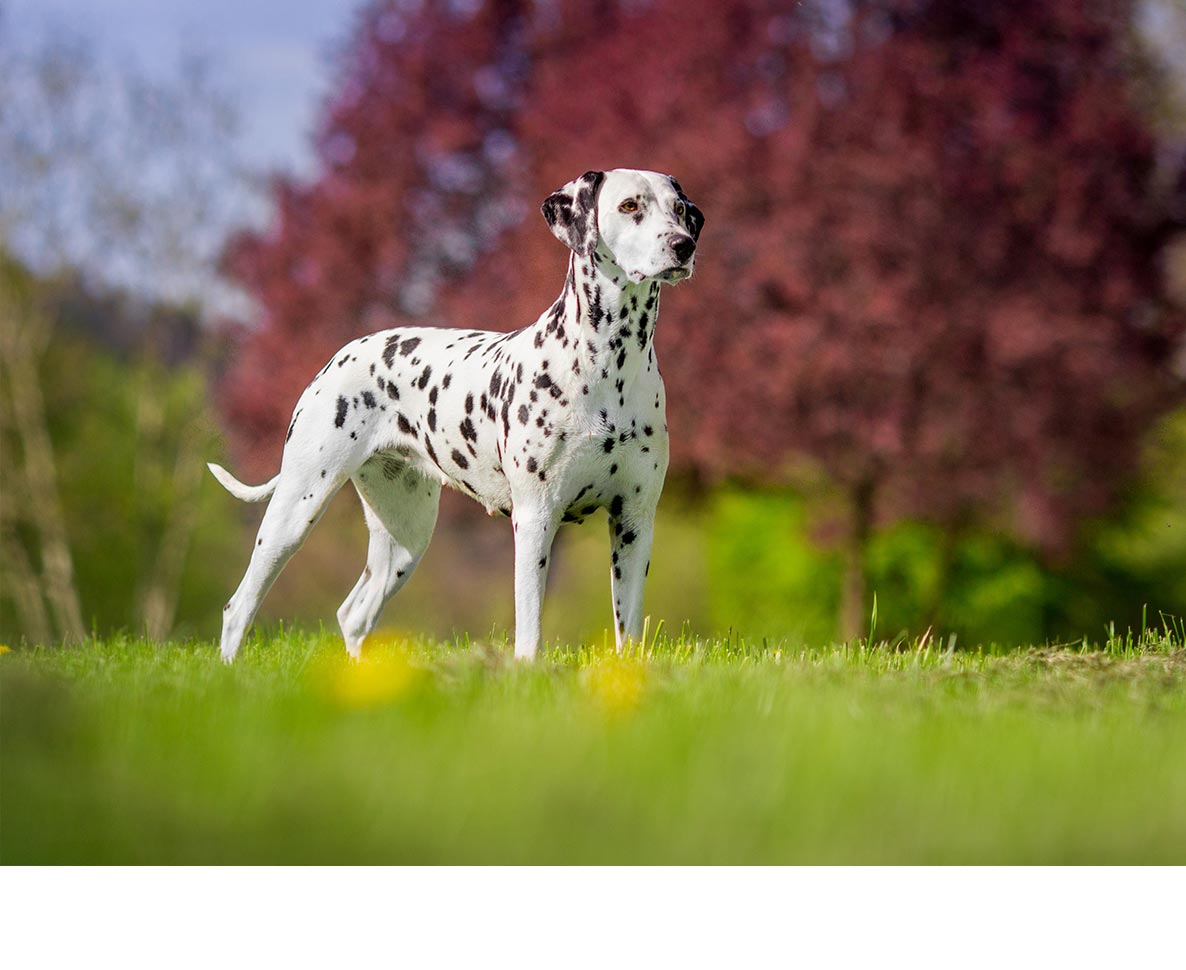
(131, 180)
(931, 269)
(107, 520)
(110, 179)
(30, 489)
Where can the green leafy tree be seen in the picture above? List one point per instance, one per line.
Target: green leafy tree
(112, 182)
(113, 475)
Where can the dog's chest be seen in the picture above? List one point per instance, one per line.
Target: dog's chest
(611, 457)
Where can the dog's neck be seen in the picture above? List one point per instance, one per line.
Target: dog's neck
(603, 323)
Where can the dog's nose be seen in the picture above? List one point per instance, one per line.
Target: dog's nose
(683, 247)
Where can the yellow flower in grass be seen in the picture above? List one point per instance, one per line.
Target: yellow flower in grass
(383, 675)
(616, 685)
(4, 648)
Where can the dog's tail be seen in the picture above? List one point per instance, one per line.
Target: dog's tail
(245, 493)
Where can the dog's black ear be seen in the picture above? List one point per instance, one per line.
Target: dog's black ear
(571, 213)
(693, 217)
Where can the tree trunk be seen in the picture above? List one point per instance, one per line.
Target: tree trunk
(43, 511)
(24, 589)
(853, 609)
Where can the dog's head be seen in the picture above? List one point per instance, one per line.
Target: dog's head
(640, 220)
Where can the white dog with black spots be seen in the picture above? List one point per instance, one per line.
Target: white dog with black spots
(546, 424)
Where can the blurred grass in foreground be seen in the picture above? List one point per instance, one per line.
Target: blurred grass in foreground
(123, 751)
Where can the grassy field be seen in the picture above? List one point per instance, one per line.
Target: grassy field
(687, 752)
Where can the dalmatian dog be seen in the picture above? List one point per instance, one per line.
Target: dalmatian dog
(545, 425)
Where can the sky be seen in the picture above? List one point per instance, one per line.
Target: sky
(275, 54)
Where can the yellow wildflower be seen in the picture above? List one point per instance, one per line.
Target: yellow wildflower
(615, 684)
(383, 675)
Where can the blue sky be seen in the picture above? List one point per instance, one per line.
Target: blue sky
(274, 54)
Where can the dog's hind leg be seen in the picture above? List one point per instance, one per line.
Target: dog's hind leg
(294, 509)
(401, 512)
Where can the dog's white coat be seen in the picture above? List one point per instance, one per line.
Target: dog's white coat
(545, 424)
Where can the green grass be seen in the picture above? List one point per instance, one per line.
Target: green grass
(123, 751)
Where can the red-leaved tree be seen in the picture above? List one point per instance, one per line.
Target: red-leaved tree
(417, 157)
(931, 261)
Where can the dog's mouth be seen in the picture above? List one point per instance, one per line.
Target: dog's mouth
(672, 275)
(675, 275)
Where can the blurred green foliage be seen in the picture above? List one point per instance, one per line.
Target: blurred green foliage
(765, 574)
(768, 576)
(121, 430)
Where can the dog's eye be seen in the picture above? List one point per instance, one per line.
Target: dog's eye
(679, 210)
(630, 205)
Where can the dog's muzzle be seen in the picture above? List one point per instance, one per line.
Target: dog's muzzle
(683, 248)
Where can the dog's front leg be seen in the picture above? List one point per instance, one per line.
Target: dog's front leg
(534, 532)
(630, 555)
